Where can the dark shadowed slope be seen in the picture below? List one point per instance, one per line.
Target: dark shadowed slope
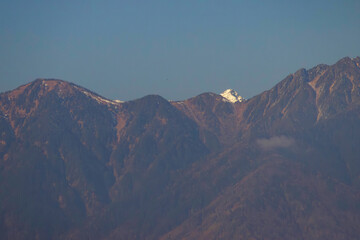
(301, 180)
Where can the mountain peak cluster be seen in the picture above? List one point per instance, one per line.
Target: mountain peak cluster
(284, 164)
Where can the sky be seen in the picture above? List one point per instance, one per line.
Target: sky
(178, 49)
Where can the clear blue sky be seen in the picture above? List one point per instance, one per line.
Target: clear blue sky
(177, 49)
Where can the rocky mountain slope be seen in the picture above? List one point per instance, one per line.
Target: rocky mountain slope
(284, 164)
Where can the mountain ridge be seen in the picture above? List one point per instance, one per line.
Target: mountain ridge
(320, 67)
(283, 164)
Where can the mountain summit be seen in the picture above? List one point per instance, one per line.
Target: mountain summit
(231, 96)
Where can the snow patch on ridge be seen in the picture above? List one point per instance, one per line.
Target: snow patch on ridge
(232, 96)
(98, 98)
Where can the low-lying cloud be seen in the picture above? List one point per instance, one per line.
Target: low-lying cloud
(275, 142)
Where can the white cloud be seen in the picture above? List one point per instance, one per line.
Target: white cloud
(275, 142)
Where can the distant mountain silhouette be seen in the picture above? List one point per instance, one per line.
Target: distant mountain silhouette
(284, 164)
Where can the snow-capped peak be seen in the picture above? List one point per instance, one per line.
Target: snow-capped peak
(231, 96)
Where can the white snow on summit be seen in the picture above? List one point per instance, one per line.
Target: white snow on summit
(232, 96)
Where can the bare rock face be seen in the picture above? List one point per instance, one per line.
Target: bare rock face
(281, 165)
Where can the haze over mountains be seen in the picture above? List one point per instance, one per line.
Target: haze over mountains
(284, 164)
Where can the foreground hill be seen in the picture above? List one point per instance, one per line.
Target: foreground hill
(284, 164)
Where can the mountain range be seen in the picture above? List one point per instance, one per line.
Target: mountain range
(284, 164)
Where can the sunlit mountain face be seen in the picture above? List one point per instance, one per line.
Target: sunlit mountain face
(284, 164)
